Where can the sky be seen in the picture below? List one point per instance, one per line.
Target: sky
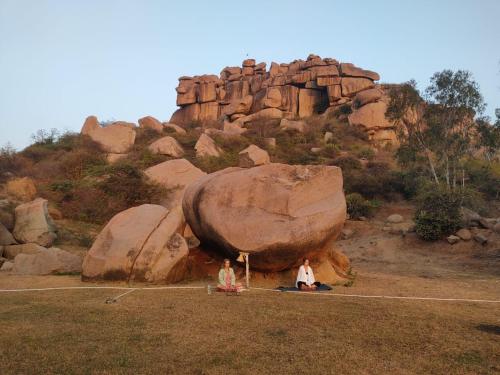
(62, 60)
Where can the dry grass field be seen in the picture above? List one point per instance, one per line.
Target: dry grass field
(259, 332)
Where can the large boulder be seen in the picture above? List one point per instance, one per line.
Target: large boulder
(175, 176)
(276, 212)
(7, 214)
(34, 224)
(142, 243)
(46, 262)
(117, 138)
(21, 188)
(253, 156)
(167, 146)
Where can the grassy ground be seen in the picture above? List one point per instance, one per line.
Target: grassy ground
(259, 332)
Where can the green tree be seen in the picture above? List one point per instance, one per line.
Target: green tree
(441, 127)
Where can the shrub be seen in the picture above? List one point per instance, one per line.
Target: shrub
(347, 163)
(438, 213)
(485, 176)
(358, 206)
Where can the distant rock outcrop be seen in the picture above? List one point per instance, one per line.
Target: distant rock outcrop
(293, 91)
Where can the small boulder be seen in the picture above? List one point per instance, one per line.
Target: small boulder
(34, 224)
(21, 188)
(115, 158)
(46, 262)
(480, 238)
(270, 142)
(7, 266)
(253, 156)
(346, 233)
(6, 237)
(174, 127)
(289, 125)
(464, 234)
(496, 227)
(452, 239)
(328, 137)
(167, 146)
(205, 146)
(10, 252)
(149, 122)
(394, 219)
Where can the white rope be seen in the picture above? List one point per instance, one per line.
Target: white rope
(99, 287)
(381, 296)
(130, 289)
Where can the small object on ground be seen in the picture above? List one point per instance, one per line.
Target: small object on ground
(346, 233)
(452, 239)
(386, 228)
(464, 234)
(362, 218)
(394, 218)
(7, 266)
(481, 238)
(496, 228)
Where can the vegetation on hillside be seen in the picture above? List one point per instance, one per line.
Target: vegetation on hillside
(446, 147)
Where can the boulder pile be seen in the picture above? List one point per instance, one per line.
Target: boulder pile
(295, 90)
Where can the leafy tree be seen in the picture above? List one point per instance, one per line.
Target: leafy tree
(441, 127)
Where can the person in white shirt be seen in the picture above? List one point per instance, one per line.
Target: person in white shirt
(305, 277)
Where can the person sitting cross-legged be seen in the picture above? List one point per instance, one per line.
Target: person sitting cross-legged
(227, 279)
(305, 277)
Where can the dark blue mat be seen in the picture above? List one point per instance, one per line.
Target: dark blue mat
(321, 288)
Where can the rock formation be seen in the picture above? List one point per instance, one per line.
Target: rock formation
(293, 91)
(276, 212)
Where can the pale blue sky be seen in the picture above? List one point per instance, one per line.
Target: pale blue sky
(63, 60)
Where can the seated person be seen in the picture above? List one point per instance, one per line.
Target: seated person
(227, 280)
(305, 277)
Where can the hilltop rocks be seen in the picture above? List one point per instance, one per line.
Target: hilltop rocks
(117, 138)
(21, 188)
(149, 122)
(276, 212)
(33, 223)
(142, 243)
(167, 146)
(295, 90)
(205, 146)
(46, 262)
(253, 156)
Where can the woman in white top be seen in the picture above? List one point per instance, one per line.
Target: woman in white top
(305, 277)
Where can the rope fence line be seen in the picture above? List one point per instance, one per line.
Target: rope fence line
(382, 296)
(132, 289)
